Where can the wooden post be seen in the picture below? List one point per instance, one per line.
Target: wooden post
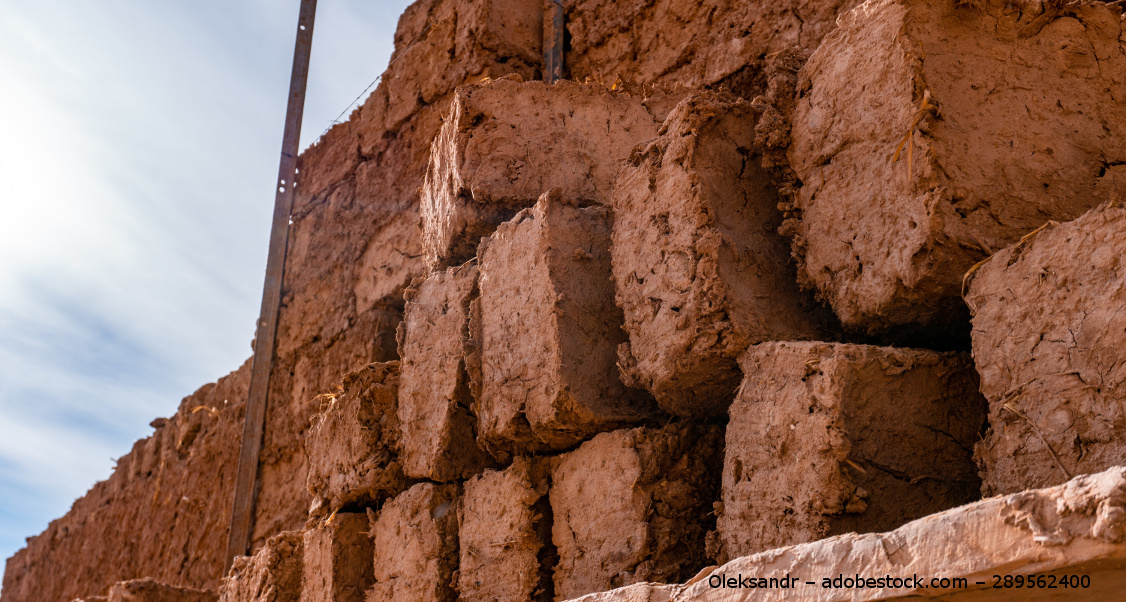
(246, 480)
(553, 23)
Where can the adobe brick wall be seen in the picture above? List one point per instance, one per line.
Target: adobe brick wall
(507, 553)
(178, 478)
(337, 559)
(439, 394)
(416, 545)
(1072, 529)
(829, 438)
(150, 590)
(704, 43)
(353, 444)
(549, 331)
(897, 200)
(1049, 332)
(505, 142)
(354, 247)
(700, 270)
(634, 505)
(272, 574)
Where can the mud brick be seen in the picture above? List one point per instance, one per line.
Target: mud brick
(506, 142)
(700, 271)
(1071, 531)
(505, 535)
(1049, 340)
(337, 559)
(550, 330)
(830, 438)
(416, 549)
(436, 396)
(353, 443)
(150, 590)
(441, 44)
(928, 135)
(272, 574)
(701, 44)
(633, 505)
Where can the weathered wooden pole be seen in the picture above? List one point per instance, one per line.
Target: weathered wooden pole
(553, 23)
(246, 480)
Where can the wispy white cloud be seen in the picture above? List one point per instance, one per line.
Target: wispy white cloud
(139, 146)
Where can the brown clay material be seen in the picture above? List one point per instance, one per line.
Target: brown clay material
(633, 505)
(1049, 334)
(337, 559)
(150, 590)
(549, 331)
(355, 243)
(439, 429)
(928, 135)
(353, 444)
(272, 574)
(1073, 529)
(700, 271)
(702, 43)
(829, 438)
(506, 142)
(416, 547)
(505, 535)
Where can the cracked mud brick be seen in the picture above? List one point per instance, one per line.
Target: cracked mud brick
(506, 142)
(337, 559)
(1049, 339)
(1073, 529)
(441, 44)
(353, 444)
(272, 574)
(703, 43)
(928, 135)
(150, 590)
(505, 535)
(633, 505)
(700, 271)
(830, 438)
(436, 394)
(549, 331)
(416, 548)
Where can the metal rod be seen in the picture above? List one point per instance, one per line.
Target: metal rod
(246, 480)
(553, 23)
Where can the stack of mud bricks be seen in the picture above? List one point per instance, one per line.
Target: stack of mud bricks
(939, 149)
(638, 352)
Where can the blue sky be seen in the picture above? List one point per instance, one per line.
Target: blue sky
(139, 146)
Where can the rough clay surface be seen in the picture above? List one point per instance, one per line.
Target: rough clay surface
(1002, 116)
(700, 271)
(700, 43)
(633, 505)
(505, 535)
(150, 590)
(506, 142)
(1049, 334)
(273, 574)
(436, 399)
(353, 444)
(416, 546)
(549, 331)
(829, 438)
(337, 559)
(1073, 529)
